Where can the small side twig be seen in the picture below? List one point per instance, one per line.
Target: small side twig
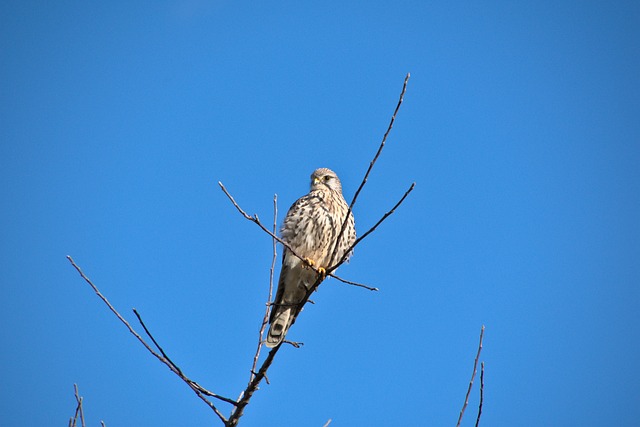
(348, 282)
(481, 393)
(473, 375)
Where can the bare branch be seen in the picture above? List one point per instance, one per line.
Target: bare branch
(481, 393)
(327, 423)
(366, 175)
(256, 221)
(352, 283)
(473, 375)
(113, 310)
(384, 140)
(200, 392)
(166, 358)
(176, 369)
(265, 319)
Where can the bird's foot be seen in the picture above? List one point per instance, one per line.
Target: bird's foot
(321, 270)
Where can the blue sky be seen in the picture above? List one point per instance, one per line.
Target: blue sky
(520, 128)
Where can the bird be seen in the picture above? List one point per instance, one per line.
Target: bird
(310, 228)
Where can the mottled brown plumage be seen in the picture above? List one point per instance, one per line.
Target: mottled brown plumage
(311, 228)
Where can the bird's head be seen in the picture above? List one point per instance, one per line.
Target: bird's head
(324, 177)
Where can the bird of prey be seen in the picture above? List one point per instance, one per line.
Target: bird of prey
(311, 228)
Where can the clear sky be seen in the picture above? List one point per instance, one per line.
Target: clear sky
(520, 127)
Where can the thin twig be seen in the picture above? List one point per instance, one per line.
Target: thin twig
(352, 283)
(481, 393)
(265, 319)
(194, 386)
(473, 375)
(176, 369)
(113, 310)
(327, 423)
(156, 343)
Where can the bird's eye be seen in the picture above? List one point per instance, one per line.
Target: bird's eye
(326, 177)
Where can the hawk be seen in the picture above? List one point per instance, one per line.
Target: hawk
(311, 228)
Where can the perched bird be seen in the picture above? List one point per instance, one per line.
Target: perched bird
(311, 228)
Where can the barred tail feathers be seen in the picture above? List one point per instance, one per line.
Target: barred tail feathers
(281, 320)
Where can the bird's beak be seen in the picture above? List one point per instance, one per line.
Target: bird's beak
(316, 180)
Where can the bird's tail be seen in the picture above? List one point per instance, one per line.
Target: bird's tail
(281, 320)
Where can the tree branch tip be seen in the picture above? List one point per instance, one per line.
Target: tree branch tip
(294, 343)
